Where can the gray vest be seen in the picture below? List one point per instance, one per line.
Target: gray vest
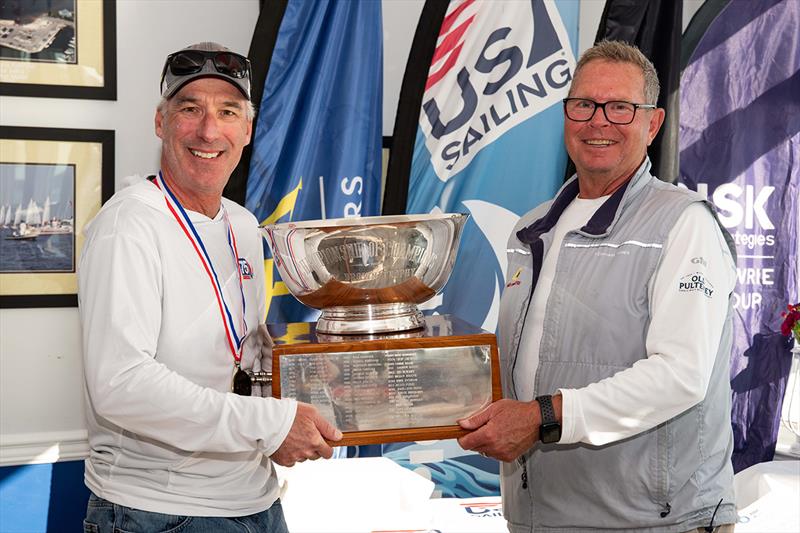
(667, 479)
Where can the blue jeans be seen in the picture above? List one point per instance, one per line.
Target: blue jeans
(102, 516)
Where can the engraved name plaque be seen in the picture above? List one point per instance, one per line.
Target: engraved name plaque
(381, 388)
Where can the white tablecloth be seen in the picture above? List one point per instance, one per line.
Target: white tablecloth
(371, 495)
(375, 494)
(768, 498)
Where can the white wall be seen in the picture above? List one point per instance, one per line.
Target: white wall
(399, 22)
(41, 391)
(41, 398)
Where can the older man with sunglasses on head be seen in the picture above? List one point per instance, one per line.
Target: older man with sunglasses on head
(171, 292)
(615, 344)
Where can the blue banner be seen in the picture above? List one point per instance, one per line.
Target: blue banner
(317, 141)
(490, 135)
(739, 145)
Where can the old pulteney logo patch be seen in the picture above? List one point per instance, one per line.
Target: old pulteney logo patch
(696, 282)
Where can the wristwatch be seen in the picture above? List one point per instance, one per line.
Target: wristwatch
(550, 430)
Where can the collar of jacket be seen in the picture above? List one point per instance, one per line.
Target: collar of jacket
(603, 220)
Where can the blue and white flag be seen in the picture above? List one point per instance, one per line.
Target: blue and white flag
(316, 150)
(479, 130)
(489, 140)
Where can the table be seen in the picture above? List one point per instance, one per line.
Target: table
(768, 497)
(376, 495)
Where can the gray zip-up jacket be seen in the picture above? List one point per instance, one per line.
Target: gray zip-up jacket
(670, 478)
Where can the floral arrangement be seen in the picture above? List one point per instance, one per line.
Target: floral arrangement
(791, 322)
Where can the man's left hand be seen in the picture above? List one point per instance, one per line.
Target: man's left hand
(504, 429)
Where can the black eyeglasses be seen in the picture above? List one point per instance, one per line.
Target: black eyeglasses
(188, 62)
(616, 111)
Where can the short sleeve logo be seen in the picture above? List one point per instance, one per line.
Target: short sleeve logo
(696, 282)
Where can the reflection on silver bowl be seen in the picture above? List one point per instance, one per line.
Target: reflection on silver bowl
(334, 338)
(367, 275)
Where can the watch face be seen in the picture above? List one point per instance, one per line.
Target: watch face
(550, 433)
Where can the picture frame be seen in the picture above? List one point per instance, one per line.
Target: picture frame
(70, 52)
(52, 183)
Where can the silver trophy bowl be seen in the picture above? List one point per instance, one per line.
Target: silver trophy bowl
(367, 275)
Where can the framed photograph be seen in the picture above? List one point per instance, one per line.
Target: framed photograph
(58, 48)
(52, 183)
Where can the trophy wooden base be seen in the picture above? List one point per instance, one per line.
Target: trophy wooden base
(400, 387)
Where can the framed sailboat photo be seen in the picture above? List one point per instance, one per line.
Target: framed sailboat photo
(52, 182)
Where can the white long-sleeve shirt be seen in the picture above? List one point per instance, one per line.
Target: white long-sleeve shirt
(165, 433)
(681, 342)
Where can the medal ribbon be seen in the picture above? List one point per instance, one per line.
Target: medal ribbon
(177, 210)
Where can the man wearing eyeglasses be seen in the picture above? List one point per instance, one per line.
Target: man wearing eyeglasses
(615, 345)
(171, 294)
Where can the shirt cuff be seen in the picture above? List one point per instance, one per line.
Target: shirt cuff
(268, 447)
(570, 413)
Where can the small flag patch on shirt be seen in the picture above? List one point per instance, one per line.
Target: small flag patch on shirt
(245, 269)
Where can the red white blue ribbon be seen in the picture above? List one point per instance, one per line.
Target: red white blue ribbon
(235, 341)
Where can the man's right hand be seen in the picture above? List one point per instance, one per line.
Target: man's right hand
(306, 438)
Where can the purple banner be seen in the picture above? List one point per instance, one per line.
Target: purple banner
(740, 145)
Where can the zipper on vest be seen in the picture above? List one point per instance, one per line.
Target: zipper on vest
(666, 511)
(534, 281)
(524, 476)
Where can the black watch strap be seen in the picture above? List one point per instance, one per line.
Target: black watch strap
(546, 407)
(550, 430)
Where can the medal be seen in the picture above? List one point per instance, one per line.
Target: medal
(241, 380)
(241, 383)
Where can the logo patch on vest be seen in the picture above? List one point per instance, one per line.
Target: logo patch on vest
(514, 279)
(696, 282)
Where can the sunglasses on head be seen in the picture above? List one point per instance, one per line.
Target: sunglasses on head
(188, 62)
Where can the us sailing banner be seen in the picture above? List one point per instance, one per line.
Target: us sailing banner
(486, 136)
(479, 130)
(740, 146)
(316, 148)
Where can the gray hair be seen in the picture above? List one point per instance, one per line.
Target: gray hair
(620, 52)
(249, 110)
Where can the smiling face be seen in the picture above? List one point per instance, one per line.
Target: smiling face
(606, 154)
(203, 129)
